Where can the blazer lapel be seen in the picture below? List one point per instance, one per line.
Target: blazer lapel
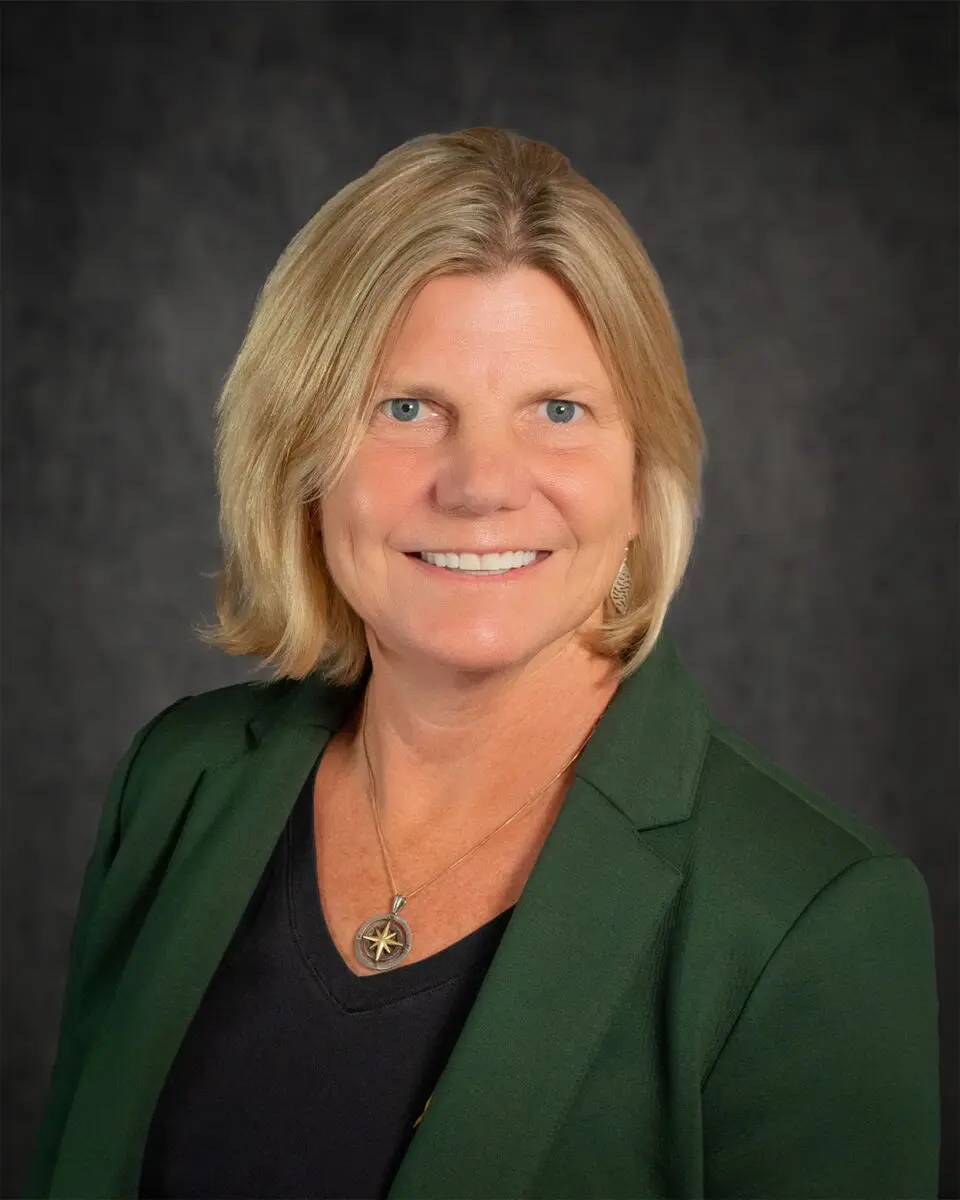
(586, 930)
(574, 945)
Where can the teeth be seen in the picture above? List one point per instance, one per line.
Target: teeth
(491, 563)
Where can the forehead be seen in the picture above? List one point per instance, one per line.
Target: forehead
(494, 327)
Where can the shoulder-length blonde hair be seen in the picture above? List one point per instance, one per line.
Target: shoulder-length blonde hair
(297, 399)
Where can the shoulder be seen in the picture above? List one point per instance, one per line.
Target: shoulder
(222, 714)
(194, 733)
(767, 843)
(775, 872)
(739, 782)
(214, 722)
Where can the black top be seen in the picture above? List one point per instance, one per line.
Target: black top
(296, 1077)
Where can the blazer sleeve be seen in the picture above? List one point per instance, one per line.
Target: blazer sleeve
(828, 1083)
(73, 1037)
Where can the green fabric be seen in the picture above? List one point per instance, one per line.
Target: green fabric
(716, 983)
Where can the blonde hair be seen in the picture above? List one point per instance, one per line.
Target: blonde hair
(296, 401)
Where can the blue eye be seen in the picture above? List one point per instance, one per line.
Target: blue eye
(406, 410)
(562, 409)
(403, 408)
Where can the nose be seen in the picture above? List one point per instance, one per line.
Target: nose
(484, 470)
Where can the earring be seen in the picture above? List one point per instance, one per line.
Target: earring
(622, 587)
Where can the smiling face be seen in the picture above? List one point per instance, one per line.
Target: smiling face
(496, 428)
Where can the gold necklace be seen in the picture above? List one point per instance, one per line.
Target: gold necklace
(384, 941)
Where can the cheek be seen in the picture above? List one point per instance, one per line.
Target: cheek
(370, 500)
(595, 494)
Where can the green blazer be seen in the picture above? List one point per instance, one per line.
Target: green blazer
(715, 983)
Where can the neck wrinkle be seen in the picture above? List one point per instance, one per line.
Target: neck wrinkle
(481, 764)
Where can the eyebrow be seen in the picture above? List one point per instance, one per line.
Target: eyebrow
(426, 391)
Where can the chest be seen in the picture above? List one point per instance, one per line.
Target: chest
(445, 902)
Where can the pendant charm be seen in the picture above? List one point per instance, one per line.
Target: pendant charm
(384, 942)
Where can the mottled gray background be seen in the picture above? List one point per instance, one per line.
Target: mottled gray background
(793, 173)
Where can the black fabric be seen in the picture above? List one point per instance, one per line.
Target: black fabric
(298, 1078)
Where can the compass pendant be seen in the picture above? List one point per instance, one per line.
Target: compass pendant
(383, 942)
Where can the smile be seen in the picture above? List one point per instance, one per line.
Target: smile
(509, 562)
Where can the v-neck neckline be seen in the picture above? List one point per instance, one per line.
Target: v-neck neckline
(308, 924)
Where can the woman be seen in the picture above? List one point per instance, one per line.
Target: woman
(475, 898)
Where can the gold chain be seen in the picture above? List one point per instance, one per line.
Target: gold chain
(483, 841)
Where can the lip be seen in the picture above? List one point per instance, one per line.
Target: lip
(485, 550)
(476, 577)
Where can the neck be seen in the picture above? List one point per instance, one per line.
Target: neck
(454, 746)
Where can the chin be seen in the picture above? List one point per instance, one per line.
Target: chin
(479, 647)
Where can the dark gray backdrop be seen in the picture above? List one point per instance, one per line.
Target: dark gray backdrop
(792, 171)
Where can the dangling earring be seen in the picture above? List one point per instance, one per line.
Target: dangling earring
(620, 592)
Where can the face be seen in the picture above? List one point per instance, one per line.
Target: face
(496, 429)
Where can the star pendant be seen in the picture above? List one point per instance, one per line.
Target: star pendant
(383, 940)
